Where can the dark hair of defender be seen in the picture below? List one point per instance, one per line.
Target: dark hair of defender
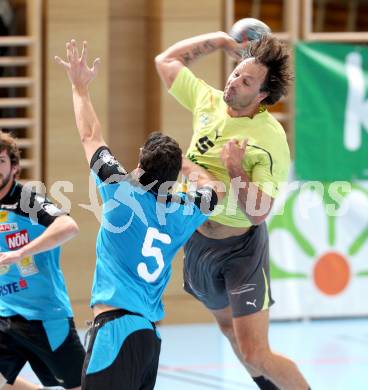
(161, 159)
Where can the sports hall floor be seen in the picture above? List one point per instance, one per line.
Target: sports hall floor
(333, 355)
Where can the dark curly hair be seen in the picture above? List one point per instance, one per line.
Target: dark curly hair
(161, 159)
(274, 55)
(8, 143)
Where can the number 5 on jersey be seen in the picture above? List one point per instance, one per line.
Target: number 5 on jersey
(150, 251)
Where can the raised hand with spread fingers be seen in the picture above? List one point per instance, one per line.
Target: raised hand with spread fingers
(80, 75)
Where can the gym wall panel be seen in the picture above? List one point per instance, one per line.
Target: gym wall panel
(153, 83)
(127, 10)
(127, 67)
(192, 10)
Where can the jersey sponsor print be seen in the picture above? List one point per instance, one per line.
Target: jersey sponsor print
(17, 240)
(8, 227)
(13, 287)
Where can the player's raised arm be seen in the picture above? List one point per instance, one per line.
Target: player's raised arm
(184, 53)
(80, 75)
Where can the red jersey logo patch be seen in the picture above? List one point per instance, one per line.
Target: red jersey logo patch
(23, 283)
(17, 240)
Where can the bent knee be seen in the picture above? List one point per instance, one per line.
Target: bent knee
(228, 331)
(255, 357)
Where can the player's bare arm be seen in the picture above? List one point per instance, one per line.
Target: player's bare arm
(80, 75)
(184, 53)
(61, 230)
(250, 196)
(202, 178)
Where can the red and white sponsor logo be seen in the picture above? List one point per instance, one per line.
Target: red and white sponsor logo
(8, 227)
(17, 240)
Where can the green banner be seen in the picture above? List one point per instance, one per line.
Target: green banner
(331, 117)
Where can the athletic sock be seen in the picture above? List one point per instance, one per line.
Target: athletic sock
(264, 384)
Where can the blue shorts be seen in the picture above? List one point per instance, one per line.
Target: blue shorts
(123, 353)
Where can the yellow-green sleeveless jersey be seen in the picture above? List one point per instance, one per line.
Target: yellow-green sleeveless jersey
(267, 157)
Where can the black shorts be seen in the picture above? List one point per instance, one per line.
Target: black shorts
(122, 354)
(23, 341)
(232, 271)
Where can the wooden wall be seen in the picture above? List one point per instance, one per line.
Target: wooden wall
(130, 101)
(126, 85)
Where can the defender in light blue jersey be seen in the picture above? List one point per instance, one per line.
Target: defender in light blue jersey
(140, 233)
(142, 228)
(36, 319)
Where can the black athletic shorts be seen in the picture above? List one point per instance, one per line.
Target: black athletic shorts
(32, 341)
(232, 271)
(122, 354)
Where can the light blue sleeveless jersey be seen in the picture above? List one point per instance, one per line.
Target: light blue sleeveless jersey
(34, 287)
(138, 239)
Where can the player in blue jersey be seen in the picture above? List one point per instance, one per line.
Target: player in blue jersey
(142, 228)
(36, 319)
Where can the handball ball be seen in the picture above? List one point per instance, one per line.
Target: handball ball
(248, 29)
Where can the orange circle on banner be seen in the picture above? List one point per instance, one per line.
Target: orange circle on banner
(331, 273)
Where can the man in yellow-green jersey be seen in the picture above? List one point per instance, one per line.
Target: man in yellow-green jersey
(226, 263)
